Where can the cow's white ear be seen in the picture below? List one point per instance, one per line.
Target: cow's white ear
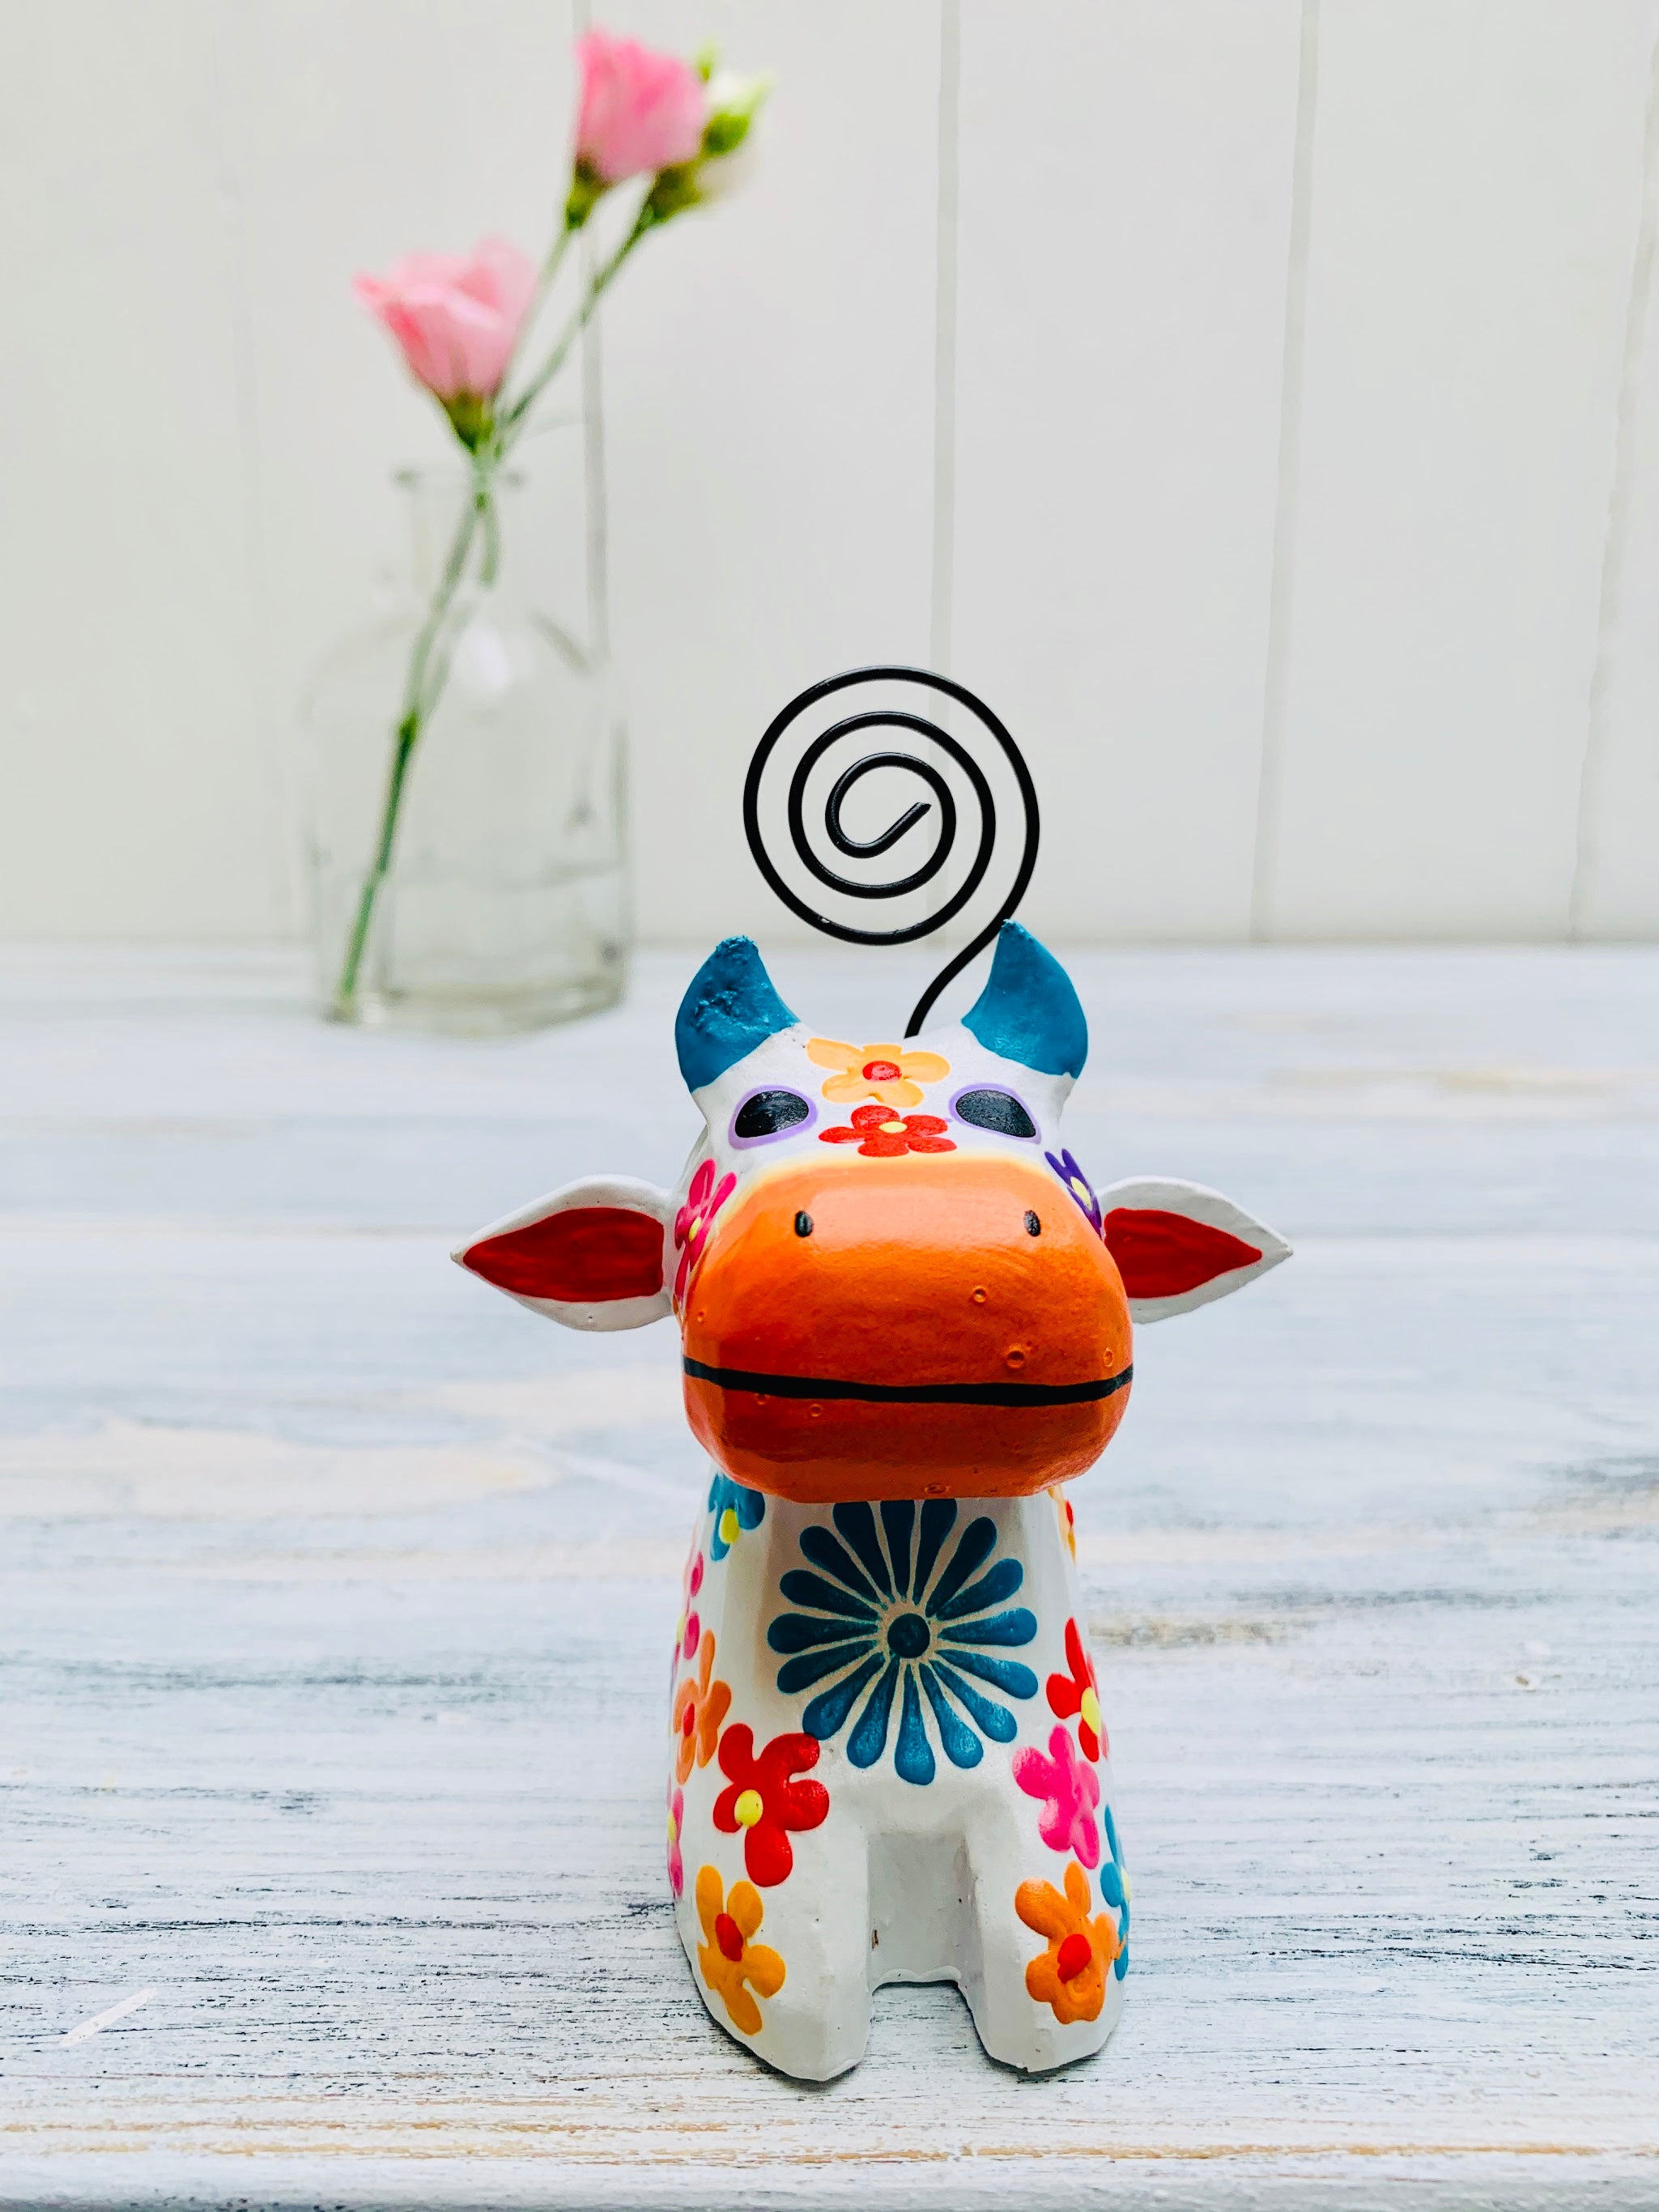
(1178, 1245)
(589, 1255)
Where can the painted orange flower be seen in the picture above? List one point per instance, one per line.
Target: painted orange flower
(886, 1071)
(700, 1704)
(731, 1959)
(1069, 1975)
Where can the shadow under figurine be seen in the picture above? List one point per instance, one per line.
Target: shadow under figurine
(906, 1320)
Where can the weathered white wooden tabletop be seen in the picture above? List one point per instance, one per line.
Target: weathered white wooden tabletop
(335, 1593)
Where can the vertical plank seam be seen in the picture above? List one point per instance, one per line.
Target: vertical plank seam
(598, 530)
(1615, 545)
(945, 337)
(597, 542)
(281, 869)
(1270, 773)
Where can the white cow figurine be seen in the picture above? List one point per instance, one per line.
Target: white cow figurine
(905, 1319)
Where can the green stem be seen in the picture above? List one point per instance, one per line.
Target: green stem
(511, 422)
(489, 558)
(423, 689)
(550, 270)
(420, 699)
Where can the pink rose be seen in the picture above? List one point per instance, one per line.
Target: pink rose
(640, 111)
(456, 319)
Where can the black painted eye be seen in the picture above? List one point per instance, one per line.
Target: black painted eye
(1033, 1226)
(996, 1109)
(803, 1224)
(769, 1111)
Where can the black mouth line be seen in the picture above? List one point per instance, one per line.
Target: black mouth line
(910, 1393)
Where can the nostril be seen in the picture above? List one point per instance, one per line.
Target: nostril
(803, 1224)
(1033, 1226)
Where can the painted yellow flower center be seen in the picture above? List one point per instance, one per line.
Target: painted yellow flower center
(673, 1829)
(891, 1128)
(1082, 1188)
(748, 1808)
(729, 1526)
(695, 1230)
(1091, 1710)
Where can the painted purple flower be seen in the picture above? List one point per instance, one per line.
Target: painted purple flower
(1078, 1183)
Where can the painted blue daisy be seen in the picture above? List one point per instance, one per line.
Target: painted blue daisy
(881, 1619)
(734, 1509)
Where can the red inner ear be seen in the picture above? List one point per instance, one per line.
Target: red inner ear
(586, 1255)
(1161, 1255)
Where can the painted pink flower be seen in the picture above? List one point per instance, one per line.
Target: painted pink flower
(457, 319)
(641, 111)
(676, 1829)
(1070, 1791)
(690, 1627)
(702, 1202)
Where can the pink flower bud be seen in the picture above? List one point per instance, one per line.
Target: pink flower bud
(641, 111)
(457, 319)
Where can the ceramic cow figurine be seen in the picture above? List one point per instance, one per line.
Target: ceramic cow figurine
(905, 1316)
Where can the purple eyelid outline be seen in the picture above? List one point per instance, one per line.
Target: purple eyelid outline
(772, 1136)
(964, 1090)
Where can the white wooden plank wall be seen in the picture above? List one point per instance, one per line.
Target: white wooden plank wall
(1476, 193)
(769, 403)
(1122, 261)
(1265, 415)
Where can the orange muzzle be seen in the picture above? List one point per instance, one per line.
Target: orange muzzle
(898, 1328)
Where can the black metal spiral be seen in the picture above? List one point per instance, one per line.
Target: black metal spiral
(893, 718)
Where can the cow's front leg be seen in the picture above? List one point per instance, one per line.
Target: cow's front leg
(782, 1964)
(1042, 1966)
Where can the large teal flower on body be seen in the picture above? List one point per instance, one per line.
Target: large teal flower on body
(881, 1619)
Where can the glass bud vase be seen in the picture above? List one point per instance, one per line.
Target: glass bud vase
(503, 903)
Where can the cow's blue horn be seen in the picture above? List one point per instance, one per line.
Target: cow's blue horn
(1029, 1010)
(729, 1008)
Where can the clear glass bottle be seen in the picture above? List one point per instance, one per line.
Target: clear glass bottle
(505, 901)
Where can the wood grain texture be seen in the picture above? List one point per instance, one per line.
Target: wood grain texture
(334, 1595)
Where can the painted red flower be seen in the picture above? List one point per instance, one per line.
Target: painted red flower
(1078, 1692)
(702, 1202)
(763, 1801)
(881, 1134)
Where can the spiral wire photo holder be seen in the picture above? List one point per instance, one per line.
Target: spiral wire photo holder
(942, 800)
